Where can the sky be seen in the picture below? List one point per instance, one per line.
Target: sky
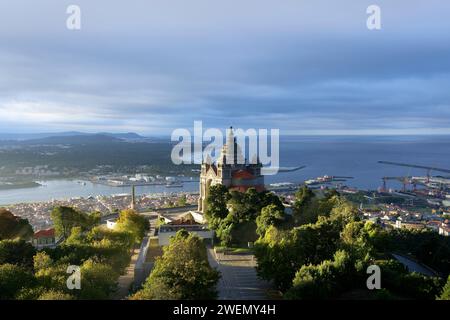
(151, 66)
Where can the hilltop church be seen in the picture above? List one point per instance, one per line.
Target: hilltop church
(232, 170)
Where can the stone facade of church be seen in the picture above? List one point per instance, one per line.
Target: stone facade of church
(231, 170)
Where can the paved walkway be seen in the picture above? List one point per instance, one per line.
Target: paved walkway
(126, 280)
(239, 280)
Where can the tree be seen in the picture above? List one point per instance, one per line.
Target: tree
(361, 238)
(12, 279)
(270, 216)
(398, 280)
(133, 222)
(76, 237)
(275, 258)
(42, 261)
(94, 218)
(303, 199)
(326, 204)
(98, 281)
(225, 232)
(313, 243)
(269, 198)
(445, 294)
(12, 227)
(98, 277)
(252, 204)
(17, 252)
(216, 203)
(123, 239)
(183, 272)
(113, 247)
(323, 281)
(343, 212)
(66, 218)
(426, 246)
(49, 274)
(246, 206)
(232, 214)
(281, 255)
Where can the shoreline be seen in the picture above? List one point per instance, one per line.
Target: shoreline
(151, 195)
(18, 186)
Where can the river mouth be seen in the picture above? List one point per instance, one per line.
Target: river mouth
(48, 190)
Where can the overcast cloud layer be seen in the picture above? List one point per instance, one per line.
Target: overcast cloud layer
(306, 67)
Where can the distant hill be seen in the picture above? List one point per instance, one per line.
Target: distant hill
(87, 152)
(37, 136)
(73, 140)
(126, 136)
(69, 155)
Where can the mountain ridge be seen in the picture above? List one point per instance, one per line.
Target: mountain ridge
(45, 135)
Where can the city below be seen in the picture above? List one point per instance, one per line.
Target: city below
(234, 231)
(421, 202)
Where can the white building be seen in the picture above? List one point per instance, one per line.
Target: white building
(444, 229)
(190, 221)
(111, 223)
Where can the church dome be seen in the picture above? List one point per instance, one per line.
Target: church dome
(243, 174)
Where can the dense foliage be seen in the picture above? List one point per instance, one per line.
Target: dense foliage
(130, 221)
(233, 214)
(445, 294)
(281, 253)
(324, 253)
(66, 218)
(100, 253)
(182, 272)
(12, 227)
(270, 216)
(17, 252)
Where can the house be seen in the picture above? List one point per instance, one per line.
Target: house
(111, 223)
(44, 238)
(434, 225)
(409, 225)
(190, 221)
(444, 229)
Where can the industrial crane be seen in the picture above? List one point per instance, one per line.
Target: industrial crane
(409, 179)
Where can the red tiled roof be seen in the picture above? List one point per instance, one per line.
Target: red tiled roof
(186, 219)
(242, 174)
(47, 233)
(258, 188)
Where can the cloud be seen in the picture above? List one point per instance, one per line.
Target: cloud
(152, 66)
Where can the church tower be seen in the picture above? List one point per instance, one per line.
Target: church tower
(133, 197)
(230, 170)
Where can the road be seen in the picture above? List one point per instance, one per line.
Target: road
(239, 280)
(414, 266)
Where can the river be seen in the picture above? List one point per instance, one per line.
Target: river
(64, 189)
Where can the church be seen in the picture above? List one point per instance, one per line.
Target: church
(231, 169)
